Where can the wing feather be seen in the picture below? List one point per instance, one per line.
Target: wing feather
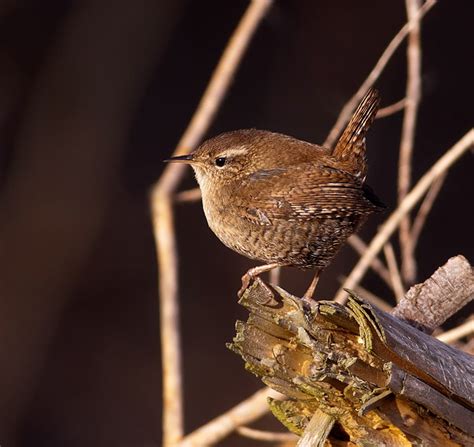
(305, 192)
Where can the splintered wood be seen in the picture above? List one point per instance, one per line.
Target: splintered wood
(379, 380)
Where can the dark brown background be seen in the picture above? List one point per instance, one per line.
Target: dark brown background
(94, 94)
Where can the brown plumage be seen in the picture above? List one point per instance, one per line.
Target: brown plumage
(284, 201)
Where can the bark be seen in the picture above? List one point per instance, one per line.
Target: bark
(430, 304)
(383, 381)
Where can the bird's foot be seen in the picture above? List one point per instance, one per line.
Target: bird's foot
(252, 274)
(308, 295)
(245, 283)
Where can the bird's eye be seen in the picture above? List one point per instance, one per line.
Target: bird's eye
(220, 161)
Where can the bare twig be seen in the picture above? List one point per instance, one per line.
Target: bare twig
(425, 208)
(349, 107)
(455, 334)
(189, 195)
(391, 109)
(269, 436)
(391, 224)
(377, 265)
(396, 279)
(163, 219)
(169, 320)
(244, 413)
(412, 99)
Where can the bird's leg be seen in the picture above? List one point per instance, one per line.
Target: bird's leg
(254, 272)
(275, 276)
(308, 295)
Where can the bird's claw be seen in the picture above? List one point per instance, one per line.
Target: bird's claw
(245, 283)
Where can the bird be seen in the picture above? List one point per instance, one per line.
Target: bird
(283, 201)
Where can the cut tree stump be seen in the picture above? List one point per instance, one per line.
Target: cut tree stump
(383, 382)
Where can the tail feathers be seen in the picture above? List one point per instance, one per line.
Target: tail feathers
(351, 145)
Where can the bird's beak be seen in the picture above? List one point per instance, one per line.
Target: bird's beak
(180, 159)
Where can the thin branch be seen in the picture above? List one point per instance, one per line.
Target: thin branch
(349, 107)
(396, 279)
(189, 195)
(391, 224)
(163, 228)
(268, 436)
(377, 265)
(425, 208)
(169, 320)
(455, 334)
(391, 109)
(413, 93)
(244, 413)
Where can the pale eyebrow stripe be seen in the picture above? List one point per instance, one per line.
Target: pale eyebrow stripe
(233, 151)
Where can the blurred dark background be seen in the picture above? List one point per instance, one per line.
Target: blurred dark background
(94, 94)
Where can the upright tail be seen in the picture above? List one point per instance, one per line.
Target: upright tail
(351, 145)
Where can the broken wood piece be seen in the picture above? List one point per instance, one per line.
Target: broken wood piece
(380, 379)
(429, 304)
(317, 430)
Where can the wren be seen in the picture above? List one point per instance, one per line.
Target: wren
(283, 201)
